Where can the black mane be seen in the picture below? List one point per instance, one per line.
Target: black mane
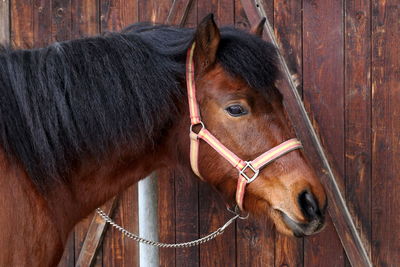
(83, 97)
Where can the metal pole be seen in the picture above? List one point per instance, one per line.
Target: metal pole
(148, 217)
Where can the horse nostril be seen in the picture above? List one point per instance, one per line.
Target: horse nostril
(309, 205)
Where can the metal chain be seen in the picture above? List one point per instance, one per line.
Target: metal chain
(193, 243)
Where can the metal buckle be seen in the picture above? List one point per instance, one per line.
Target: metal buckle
(192, 125)
(235, 210)
(242, 172)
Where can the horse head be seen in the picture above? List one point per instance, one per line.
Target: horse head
(234, 75)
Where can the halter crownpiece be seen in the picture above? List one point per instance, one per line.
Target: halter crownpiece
(244, 167)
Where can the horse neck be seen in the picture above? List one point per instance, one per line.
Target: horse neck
(99, 180)
(96, 183)
(36, 222)
(28, 235)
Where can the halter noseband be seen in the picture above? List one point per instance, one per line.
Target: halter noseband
(242, 166)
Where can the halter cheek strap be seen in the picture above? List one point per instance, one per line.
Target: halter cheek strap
(244, 167)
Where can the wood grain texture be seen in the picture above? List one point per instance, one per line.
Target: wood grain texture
(154, 11)
(5, 22)
(192, 17)
(340, 68)
(255, 241)
(213, 214)
(42, 16)
(323, 97)
(385, 132)
(166, 215)
(187, 218)
(288, 31)
(61, 23)
(241, 20)
(117, 14)
(179, 12)
(337, 208)
(94, 236)
(358, 115)
(80, 233)
(223, 11)
(22, 24)
(119, 250)
(68, 258)
(85, 20)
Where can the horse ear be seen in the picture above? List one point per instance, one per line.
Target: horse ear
(207, 39)
(258, 29)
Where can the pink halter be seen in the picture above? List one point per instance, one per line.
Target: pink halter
(241, 165)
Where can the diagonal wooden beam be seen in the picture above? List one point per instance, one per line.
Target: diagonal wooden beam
(179, 12)
(338, 209)
(94, 237)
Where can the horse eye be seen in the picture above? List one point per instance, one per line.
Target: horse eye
(236, 110)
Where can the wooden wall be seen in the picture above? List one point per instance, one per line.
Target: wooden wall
(345, 57)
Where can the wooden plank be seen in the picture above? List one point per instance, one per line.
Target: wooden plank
(166, 215)
(385, 132)
(61, 20)
(179, 12)
(94, 236)
(288, 31)
(5, 22)
(86, 18)
(117, 14)
(337, 208)
(186, 218)
(289, 251)
(223, 11)
(118, 250)
(255, 241)
(42, 14)
(222, 250)
(67, 259)
(323, 96)
(80, 232)
(358, 115)
(21, 24)
(154, 11)
(241, 20)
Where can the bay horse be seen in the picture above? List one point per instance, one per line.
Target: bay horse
(82, 120)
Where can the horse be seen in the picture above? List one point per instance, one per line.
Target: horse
(84, 119)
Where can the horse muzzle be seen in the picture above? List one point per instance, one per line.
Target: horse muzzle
(314, 216)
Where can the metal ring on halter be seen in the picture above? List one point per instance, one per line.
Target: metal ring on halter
(236, 210)
(202, 127)
(242, 172)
